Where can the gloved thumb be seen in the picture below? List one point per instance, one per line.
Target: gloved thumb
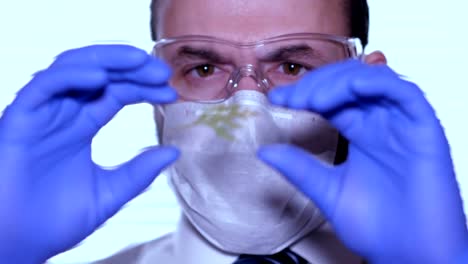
(117, 187)
(317, 180)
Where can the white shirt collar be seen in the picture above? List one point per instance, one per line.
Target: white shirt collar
(320, 247)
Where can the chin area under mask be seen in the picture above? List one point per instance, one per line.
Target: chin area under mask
(234, 200)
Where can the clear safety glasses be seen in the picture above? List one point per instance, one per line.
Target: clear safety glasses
(208, 69)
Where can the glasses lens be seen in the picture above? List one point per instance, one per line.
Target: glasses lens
(202, 70)
(286, 61)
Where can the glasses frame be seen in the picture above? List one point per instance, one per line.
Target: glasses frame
(352, 43)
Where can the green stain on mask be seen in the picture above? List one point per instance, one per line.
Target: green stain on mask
(224, 120)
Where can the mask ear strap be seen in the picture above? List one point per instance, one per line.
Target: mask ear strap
(159, 117)
(341, 150)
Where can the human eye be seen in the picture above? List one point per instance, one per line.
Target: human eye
(203, 71)
(287, 71)
(293, 69)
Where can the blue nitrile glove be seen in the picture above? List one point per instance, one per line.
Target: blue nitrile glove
(52, 195)
(396, 199)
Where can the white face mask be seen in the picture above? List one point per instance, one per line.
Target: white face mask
(235, 201)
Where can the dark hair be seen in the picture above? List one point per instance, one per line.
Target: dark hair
(358, 19)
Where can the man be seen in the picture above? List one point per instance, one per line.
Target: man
(384, 202)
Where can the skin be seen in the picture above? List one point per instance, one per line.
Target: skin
(243, 20)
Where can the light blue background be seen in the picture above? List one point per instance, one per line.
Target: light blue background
(425, 40)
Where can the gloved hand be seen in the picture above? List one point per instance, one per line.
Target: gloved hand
(396, 199)
(52, 194)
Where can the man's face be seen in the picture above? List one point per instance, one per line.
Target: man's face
(247, 20)
(227, 184)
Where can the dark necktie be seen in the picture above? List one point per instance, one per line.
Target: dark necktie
(284, 257)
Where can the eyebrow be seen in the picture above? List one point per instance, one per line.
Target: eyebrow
(200, 53)
(287, 52)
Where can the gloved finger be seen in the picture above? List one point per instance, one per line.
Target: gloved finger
(117, 187)
(153, 72)
(125, 63)
(351, 83)
(109, 57)
(50, 83)
(118, 95)
(81, 81)
(377, 84)
(298, 96)
(402, 94)
(318, 181)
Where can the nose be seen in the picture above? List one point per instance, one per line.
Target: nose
(248, 78)
(248, 83)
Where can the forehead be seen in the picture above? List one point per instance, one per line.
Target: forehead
(250, 20)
